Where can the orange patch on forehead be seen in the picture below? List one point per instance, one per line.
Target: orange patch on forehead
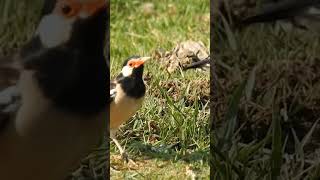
(72, 8)
(135, 63)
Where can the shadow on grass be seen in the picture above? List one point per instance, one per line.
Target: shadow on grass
(168, 152)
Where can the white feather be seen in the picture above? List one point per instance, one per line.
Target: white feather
(113, 93)
(54, 30)
(127, 71)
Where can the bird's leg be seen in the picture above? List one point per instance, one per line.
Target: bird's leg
(122, 151)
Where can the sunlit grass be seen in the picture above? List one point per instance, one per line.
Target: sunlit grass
(165, 128)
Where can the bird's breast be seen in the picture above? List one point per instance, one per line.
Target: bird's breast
(123, 108)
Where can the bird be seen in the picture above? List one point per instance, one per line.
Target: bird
(301, 14)
(127, 92)
(53, 105)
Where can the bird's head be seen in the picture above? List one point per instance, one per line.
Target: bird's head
(66, 54)
(64, 21)
(133, 66)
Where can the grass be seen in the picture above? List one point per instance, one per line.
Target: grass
(16, 28)
(266, 113)
(170, 133)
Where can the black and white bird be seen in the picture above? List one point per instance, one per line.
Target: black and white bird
(303, 14)
(127, 92)
(53, 105)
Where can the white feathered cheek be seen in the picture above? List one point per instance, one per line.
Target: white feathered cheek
(54, 30)
(127, 71)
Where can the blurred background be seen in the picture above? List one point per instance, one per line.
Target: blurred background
(266, 107)
(18, 20)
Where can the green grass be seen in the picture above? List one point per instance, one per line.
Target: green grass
(168, 129)
(266, 112)
(17, 23)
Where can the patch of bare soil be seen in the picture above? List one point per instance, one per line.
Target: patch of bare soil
(182, 56)
(199, 90)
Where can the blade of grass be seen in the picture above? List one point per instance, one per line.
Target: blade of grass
(231, 116)
(276, 155)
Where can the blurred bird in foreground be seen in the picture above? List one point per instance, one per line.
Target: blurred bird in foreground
(52, 94)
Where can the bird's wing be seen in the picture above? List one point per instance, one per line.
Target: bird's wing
(9, 95)
(113, 91)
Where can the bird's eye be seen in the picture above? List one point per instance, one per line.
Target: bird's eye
(67, 10)
(131, 64)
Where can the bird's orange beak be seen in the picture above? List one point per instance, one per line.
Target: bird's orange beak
(138, 62)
